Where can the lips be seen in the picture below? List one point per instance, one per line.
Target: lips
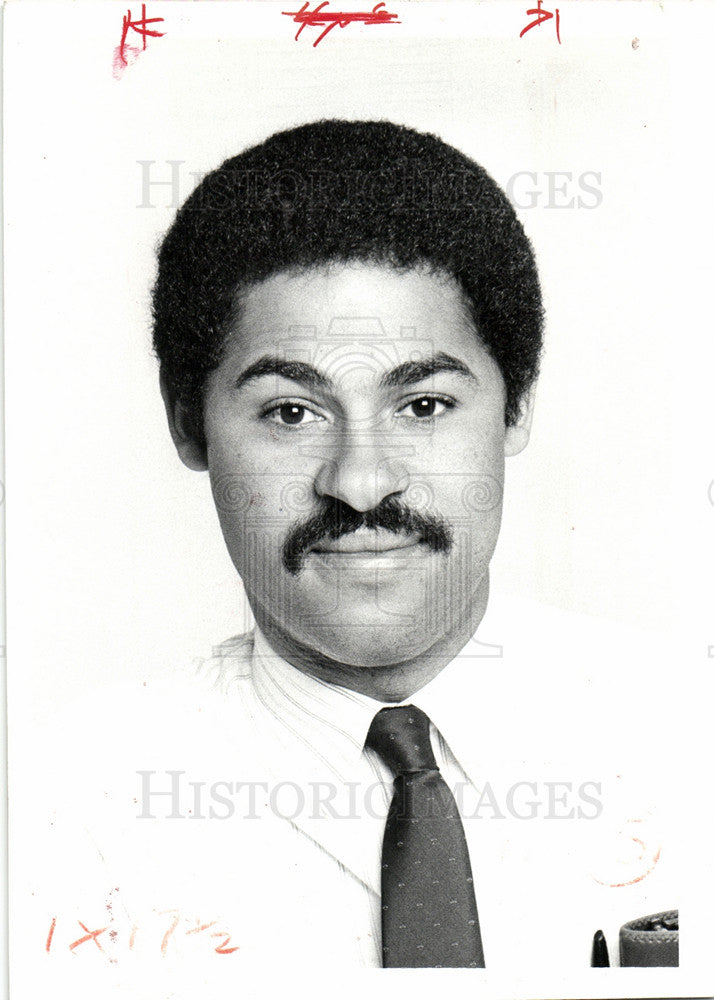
(338, 535)
(367, 543)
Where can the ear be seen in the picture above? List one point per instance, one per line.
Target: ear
(191, 451)
(517, 434)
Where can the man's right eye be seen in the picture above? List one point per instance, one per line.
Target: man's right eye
(292, 414)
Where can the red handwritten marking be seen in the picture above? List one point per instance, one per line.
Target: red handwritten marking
(541, 16)
(649, 856)
(638, 878)
(196, 926)
(140, 26)
(51, 934)
(318, 18)
(203, 927)
(169, 932)
(221, 949)
(89, 936)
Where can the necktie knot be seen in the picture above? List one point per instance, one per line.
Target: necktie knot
(401, 738)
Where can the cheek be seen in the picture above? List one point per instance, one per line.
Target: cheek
(241, 480)
(236, 493)
(257, 509)
(246, 501)
(255, 544)
(464, 484)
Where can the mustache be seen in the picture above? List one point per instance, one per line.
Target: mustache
(335, 519)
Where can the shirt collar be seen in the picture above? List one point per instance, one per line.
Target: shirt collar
(332, 722)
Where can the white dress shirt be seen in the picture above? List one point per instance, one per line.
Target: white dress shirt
(322, 725)
(521, 721)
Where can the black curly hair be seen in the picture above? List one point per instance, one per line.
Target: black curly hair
(343, 191)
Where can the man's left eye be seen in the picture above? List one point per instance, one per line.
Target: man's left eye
(425, 407)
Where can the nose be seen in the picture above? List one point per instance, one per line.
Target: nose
(362, 469)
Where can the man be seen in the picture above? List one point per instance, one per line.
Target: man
(348, 321)
(406, 267)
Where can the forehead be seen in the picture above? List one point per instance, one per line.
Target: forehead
(364, 315)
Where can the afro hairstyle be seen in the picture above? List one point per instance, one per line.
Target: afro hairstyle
(343, 191)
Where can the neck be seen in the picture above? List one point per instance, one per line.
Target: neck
(391, 682)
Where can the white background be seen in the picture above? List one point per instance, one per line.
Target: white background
(116, 567)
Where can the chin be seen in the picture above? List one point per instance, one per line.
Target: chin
(370, 645)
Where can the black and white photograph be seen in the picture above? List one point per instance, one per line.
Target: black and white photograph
(359, 498)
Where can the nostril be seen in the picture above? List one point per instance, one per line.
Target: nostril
(360, 482)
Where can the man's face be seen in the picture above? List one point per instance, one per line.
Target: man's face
(355, 443)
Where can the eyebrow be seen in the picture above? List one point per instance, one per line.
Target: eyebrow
(296, 371)
(408, 373)
(412, 372)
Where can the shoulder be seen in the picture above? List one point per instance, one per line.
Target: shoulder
(526, 624)
(572, 688)
(606, 661)
(203, 711)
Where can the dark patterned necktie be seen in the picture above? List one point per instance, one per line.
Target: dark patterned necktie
(429, 917)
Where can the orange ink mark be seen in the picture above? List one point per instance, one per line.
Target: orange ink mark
(639, 878)
(132, 936)
(89, 936)
(541, 16)
(221, 948)
(169, 932)
(637, 864)
(319, 18)
(203, 927)
(51, 934)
